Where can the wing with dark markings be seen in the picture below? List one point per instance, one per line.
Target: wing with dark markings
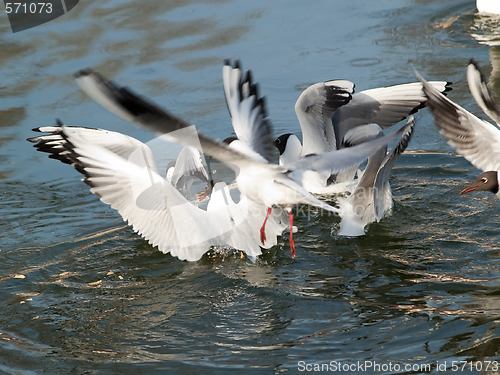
(478, 141)
(480, 92)
(132, 107)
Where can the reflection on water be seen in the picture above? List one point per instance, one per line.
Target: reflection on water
(486, 30)
(9, 118)
(494, 81)
(84, 294)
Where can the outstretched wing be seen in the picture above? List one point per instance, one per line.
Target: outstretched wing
(336, 161)
(476, 140)
(131, 107)
(480, 92)
(314, 109)
(384, 106)
(247, 110)
(119, 144)
(154, 208)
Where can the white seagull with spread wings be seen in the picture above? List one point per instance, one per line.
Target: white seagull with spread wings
(264, 183)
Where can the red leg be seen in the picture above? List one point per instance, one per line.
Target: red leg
(292, 244)
(263, 229)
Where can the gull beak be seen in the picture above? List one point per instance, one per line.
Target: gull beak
(468, 189)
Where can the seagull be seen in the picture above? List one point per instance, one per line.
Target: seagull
(248, 114)
(190, 165)
(477, 140)
(372, 197)
(181, 174)
(122, 172)
(314, 109)
(261, 182)
(488, 6)
(332, 116)
(250, 123)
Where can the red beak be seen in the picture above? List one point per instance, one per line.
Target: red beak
(468, 189)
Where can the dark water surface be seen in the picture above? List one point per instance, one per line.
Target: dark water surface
(82, 294)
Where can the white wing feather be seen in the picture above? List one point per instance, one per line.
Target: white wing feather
(476, 140)
(314, 109)
(384, 106)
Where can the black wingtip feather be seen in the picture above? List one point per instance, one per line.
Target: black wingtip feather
(249, 77)
(447, 87)
(263, 106)
(83, 72)
(474, 62)
(58, 148)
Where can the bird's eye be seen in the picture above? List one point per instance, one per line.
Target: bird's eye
(484, 179)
